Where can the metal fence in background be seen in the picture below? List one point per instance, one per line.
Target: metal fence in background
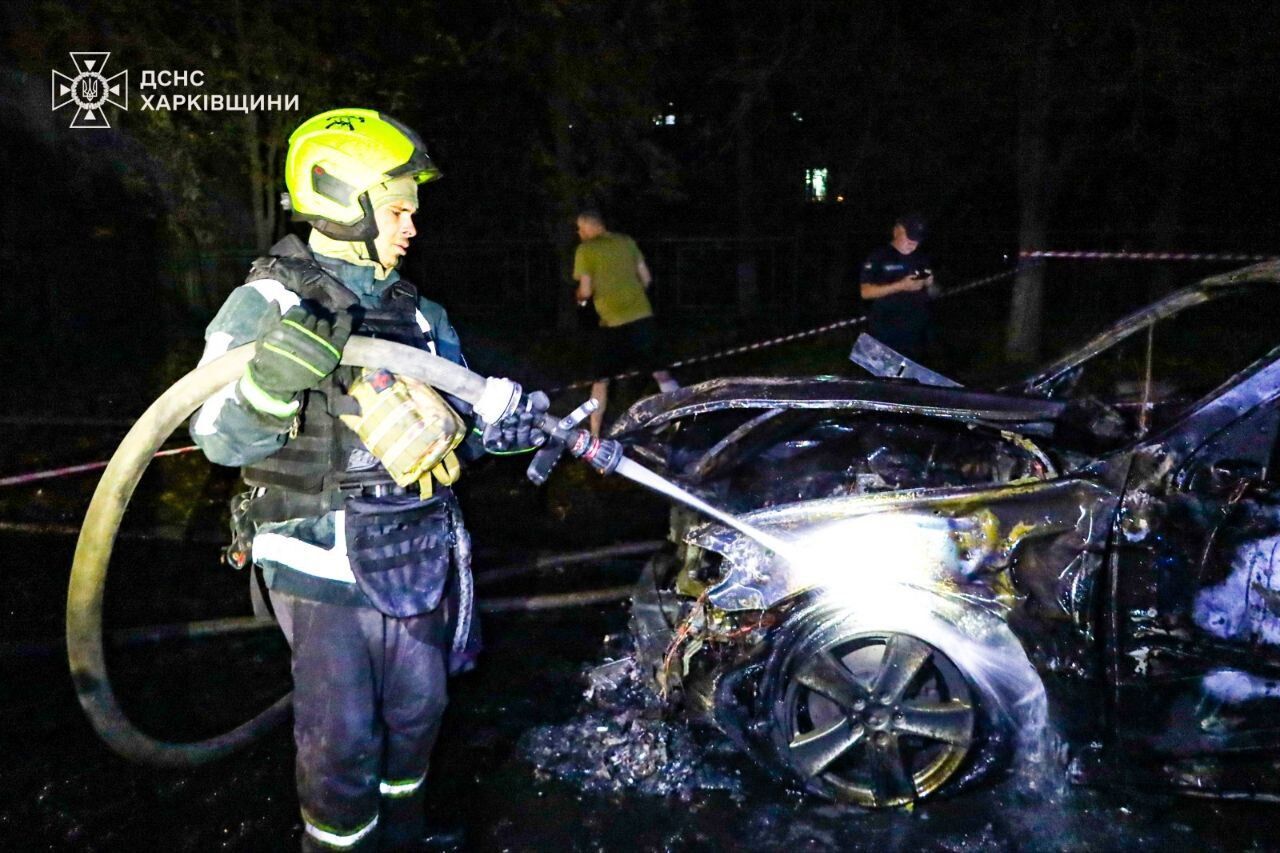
(786, 279)
(691, 276)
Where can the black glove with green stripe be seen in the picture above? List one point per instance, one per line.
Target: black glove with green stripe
(295, 353)
(520, 431)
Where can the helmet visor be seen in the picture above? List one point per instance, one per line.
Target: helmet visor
(419, 165)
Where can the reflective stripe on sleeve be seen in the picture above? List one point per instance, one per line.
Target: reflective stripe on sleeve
(264, 402)
(338, 840)
(273, 291)
(215, 347)
(207, 418)
(401, 787)
(328, 563)
(422, 321)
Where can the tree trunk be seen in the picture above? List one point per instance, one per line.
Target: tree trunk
(1023, 339)
(747, 264)
(1166, 225)
(565, 183)
(253, 148)
(261, 169)
(1024, 335)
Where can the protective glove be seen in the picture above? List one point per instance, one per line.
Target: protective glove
(296, 353)
(521, 430)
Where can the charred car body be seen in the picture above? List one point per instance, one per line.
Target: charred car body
(1095, 544)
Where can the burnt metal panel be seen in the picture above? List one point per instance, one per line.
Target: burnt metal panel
(884, 361)
(834, 394)
(1043, 380)
(1003, 547)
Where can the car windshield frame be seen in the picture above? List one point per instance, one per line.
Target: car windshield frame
(1144, 318)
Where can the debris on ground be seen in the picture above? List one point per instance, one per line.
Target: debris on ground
(619, 742)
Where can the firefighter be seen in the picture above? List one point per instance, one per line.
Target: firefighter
(350, 518)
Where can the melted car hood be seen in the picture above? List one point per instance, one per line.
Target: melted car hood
(818, 392)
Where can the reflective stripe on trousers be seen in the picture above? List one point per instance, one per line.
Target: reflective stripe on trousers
(338, 840)
(401, 787)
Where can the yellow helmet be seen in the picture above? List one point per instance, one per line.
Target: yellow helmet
(337, 156)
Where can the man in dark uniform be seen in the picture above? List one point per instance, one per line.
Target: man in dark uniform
(897, 280)
(364, 556)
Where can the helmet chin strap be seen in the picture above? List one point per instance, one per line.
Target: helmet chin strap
(345, 241)
(372, 246)
(362, 251)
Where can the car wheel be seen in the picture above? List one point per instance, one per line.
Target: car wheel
(874, 718)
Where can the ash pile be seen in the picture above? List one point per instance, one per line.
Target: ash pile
(620, 742)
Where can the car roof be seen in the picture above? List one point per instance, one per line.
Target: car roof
(1016, 404)
(835, 394)
(1176, 302)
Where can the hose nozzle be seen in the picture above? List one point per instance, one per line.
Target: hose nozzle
(565, 435)
(601, 454)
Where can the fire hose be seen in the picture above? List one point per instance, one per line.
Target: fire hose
(85, 647)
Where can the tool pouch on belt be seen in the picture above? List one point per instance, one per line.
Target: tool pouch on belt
(237, 552)
(408, 427)
(399, 548)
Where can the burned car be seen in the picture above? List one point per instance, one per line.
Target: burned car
(1090, 551)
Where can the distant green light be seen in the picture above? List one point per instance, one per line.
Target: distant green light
(815, 184)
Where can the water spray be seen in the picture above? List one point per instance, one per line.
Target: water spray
(606, 456)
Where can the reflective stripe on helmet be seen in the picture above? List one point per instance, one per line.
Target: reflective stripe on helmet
(338, 840)
(400, 787)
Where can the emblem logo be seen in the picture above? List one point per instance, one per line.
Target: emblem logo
(348, 122)
(90, 90)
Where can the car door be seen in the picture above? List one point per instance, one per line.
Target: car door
(1196, 580)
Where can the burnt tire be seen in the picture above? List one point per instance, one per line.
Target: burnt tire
(876, 718)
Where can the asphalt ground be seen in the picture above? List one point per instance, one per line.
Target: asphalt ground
(62, 789)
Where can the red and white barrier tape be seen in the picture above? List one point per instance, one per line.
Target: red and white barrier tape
(785, 339)
(1025, 255)
(725, 353)
(20, 479)
(1090, 255)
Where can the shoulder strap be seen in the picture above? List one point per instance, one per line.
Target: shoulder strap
(403, 292)
(305, 277)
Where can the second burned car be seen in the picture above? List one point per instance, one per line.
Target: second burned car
(1093, 548)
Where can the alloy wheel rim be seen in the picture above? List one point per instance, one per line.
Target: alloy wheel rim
(880, 719)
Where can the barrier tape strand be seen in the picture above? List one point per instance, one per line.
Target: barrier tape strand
(1094, 255)
(795, 336)
(21, 479)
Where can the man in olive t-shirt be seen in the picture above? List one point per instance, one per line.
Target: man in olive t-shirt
(612, 273)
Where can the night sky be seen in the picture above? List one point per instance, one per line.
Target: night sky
(1135, 126)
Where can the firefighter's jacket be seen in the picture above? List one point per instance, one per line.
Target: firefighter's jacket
(327, 533)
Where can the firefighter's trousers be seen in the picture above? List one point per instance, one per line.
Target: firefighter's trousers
(368, 694)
